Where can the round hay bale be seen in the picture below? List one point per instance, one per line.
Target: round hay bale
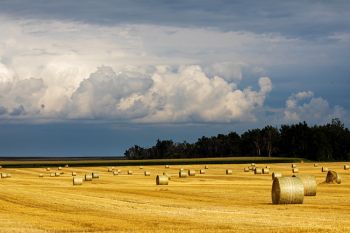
(228, 172)
(115, 173)
(346, 167)
(202, 171)
(276, 175)
(266, 171)
(74, 173)
(206, 167)
(246, 169)
(52, 174)
(182, 173)
(0, 167)
(110, 170)
(294, 165)
(129, 172)
(287, 190)
(41, 175)
(310, 184)
(48, 169)
(253, 165)
(166, 166)
(258, 171)
(315, 164)
(251, 168)
(295, 170)
(59, 168)
(324, 169)
(119, 171)
(95, 175)
(191, 172)
(66, 165)
(181, 169)
(333, 177)
(88, 177)
(147, 173)
(77, 180)
(141, 167)
(162, 180)
(3, 175)
(57, 173)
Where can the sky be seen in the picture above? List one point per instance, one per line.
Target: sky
(81, 78)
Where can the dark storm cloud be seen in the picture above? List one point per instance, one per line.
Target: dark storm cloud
(292, 18)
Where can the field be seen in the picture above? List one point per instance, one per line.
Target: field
(211, 202)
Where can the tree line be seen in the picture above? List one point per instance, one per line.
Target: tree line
(329, 142)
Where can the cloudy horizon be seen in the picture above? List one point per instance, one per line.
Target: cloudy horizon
(93, 78)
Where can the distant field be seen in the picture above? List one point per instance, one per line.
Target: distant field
(211, 202)
(42, 162)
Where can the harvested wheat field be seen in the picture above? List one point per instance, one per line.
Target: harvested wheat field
(210, 202)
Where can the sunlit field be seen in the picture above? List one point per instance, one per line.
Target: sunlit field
(211, 202)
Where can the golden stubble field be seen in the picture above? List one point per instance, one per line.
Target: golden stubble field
(214, 202)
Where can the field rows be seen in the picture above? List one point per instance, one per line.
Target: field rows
(213, 202)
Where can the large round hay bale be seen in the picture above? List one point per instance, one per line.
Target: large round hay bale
(66, 165)
(57, 173)
(246, 169)
(59, 168)
(287, 190)
(0, 167)
(77, 180)
(182, 169)
(141, 167)
(228, 172)
(88, 177)
(110, 170)
(115, 173)
(166, 166)
(333, 177)
(258, 171)
(191, 172)
(74, 173)
(346, 167)
(294, 165)
(182, 173)
(276, 175)
(3, 175)
(95, 175)
(41, 175)
(119, 171)
(130, 172)
(147, 173)
(315, 164)
(202, 171)
(52, 174)
(48, 169)
(251, 168)
(266, 171)
(253, 165)
(206, 167)
(324, 169)
(162, 180)
(310, 184)
(295, 170)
